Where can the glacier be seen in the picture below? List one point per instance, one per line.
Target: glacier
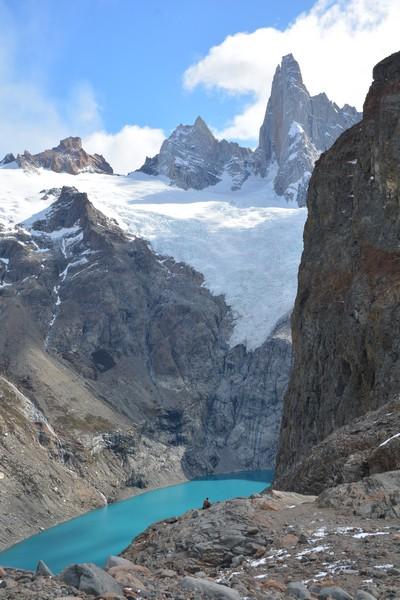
(247, 243)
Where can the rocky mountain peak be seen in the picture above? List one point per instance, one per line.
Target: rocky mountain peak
(288, 104)
(386, 76)
(68, 157)
(201, 125)
(69, 144)
(193, 158)
(8, 158)
(186, 137)
(297, 127)
(71, 212)
(289, 70)
(388, 69)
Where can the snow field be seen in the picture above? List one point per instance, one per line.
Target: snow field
(246, 243)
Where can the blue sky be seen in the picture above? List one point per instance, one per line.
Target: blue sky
(134, 53)
(123, 73)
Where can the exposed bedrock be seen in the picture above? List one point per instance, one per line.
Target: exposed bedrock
(346, 318)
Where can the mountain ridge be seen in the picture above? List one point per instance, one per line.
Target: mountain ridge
(67, 157)
(291, 138)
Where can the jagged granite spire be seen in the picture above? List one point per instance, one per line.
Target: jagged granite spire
(297, 127)
(289, 103)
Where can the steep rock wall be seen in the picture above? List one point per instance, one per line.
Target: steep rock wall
(346, 322)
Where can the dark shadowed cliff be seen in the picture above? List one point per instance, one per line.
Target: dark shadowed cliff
(346, 322)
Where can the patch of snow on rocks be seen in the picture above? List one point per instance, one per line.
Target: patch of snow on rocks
(389, 439)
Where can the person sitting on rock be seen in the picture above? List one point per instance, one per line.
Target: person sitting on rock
(206, 503)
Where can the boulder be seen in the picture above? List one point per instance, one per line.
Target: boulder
(297, 589)
(274, 584)
(363, 595)
(91, 579)
(377, 496)
(42, 570)
(334, 593)
(386, 457)
(126, 578)
(118, 561)
(209, 589)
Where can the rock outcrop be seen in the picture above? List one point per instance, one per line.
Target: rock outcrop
(376, 497)
(272, 546)
(345, 321)
(280, 545)
(366, 446)
(124, 357)
(297, 127)
(67, 157)
(250, 390)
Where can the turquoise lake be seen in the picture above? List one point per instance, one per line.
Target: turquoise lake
(99, 533)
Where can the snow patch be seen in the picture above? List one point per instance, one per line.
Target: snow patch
(316, 549)
(365, 534)
(389, 440)
(295, 129)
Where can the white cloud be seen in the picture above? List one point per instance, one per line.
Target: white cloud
(126, 149)
(84, 112)
(30, 119)
(336, 43)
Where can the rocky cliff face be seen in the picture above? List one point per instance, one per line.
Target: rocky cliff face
(296, 129)
(67, 157)
(193, 158)
(126, 356)
(346, 318)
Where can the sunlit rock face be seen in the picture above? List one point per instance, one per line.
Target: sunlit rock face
(297, 127)
(193, 158)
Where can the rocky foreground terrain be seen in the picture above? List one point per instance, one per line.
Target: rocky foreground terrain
(343, 545)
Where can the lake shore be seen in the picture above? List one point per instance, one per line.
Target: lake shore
(71, 511)
(108, 529)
